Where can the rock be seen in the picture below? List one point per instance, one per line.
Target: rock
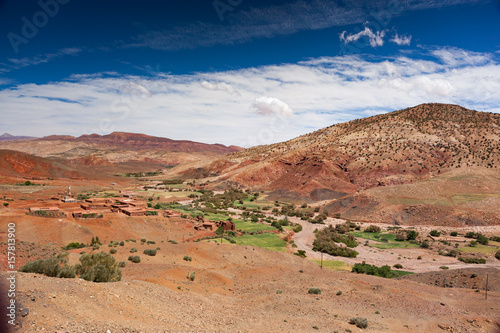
(25, 312)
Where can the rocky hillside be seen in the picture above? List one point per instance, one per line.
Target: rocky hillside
(17, 164)
(395, 148)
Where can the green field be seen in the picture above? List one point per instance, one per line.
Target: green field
(251, 227)
(480, 249)
(334, 265)
(415, 201)
(391, 244)
(464, 198)
(266, 241)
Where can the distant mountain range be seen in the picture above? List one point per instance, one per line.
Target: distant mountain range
(118, 147)
(9, 137)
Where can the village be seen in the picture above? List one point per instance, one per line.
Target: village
(128, 203)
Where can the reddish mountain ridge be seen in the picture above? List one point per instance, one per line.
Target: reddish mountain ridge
(119, 147)
(143, 141)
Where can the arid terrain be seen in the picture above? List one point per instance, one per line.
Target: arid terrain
(227, 239)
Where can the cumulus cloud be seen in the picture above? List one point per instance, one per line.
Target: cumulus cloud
(222, 86)
(322, 92)
(270, 106)
(401, 40)
(375, 38)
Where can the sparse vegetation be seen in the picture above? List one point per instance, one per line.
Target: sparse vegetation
(134, 259)
(150, 252)
(98, 267)
(314, 291)
(359, 322)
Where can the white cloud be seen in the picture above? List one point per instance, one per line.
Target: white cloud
(455, 57)
(270, 106)
(320, 91)
(16, 63)
(375, 38)
(222, 86)
(401, 40)
(243, 25)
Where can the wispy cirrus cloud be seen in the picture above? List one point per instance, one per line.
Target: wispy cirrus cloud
(272, 21)
(314, 94)
(16, 63)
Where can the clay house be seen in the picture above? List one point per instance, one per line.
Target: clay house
(227, 225)
(132, 211)
(171, 213)
(80, 214)
(69, 200)
(206, 226)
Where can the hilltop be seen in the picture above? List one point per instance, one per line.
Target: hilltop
(405, 147)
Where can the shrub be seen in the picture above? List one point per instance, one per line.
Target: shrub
(327, 238)
(314, 291)
(143, 240)
(472, 260)
(95, 241)
(191, 276)
(133, 250)
(482, 240)
(187, 258)
(112, 251)
(411, 235)
(372, 228)
(122, 264)
(399, 266)
(135, 259)
(364, 268)
(122, 243)
(49, 267)
(339, 293)
(150, 242)
(497, 255)
(454, 234)
(74, 245)
(359, 322)
(444, 267)
(425, 244)
(301, 253)
(98, 267)
(400, 237)
(278, 291)
(435, 233)
(150, 252)
(67, 272)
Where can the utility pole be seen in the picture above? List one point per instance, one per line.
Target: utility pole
(321, 260)
(486, 294)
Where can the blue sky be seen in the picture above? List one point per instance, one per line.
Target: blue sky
(238, 71)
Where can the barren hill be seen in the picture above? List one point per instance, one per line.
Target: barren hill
(17, 164)
(119, 147)
(402, 147)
